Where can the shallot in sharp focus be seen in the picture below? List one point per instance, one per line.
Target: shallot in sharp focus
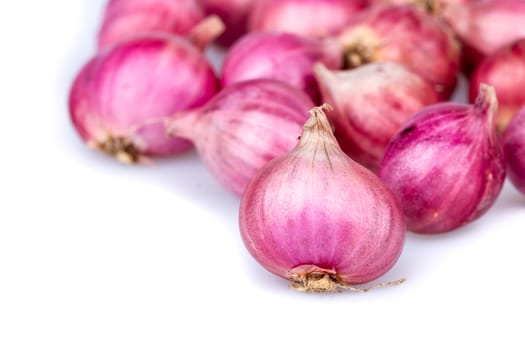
(319, 219)
(121, 90)
(125, 19)
(505, 71)
(446, 165)
(310, 18)
(370, 104)
(406, 35)
(514, 145)
(282, 56)
(243, 127)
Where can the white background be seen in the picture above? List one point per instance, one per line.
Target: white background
(98, 255)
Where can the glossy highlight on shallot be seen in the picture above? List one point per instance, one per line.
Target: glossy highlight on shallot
(370, 104)
(514, 145)
(319, 219)
(446, 165)
(118, 94)
(243, 127)
(282, 56)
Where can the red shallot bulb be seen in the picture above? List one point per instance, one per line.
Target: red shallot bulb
(432, 6)
(310, 18)
(243, 127)
(319, 219)
(406, 35)
(370, 104)
(124, 19)
(282, 56)
(505, 71)
(234, 14)
(514, 145)
(446, 166)
(484, 26)
(121, 90)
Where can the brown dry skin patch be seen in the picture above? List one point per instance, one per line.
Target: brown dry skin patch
(322, 282)
(357, 54)
(360, 47)
(431, 6)
(121, 148)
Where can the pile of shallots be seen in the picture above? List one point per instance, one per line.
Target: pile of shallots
(331, 118)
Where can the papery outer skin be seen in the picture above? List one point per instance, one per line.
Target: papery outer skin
(282, 56)
(125, 19)
(505, 71)
(370, 104)
(309, 18)
(120, 90)
(315, 209)
(514, 145)
(409, 36)
(484, 26)
(242, 128)
(445, 166)
(234, 13)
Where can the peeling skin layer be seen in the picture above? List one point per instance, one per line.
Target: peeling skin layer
(446, 166)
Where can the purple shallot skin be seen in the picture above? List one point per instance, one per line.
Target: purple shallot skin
(370, 104)
(505, 71)
(514, 145)
(282, 56)
(234, 14)
(406, 35)
(446, 165)
(243, 127)
(119, 95)
(125, 19)
(319, 219)
(308, 18)
(485, 26)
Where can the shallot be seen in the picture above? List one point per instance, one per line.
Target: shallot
(310, 18)
(514, 145)
(319, 219)
(234, 14)
(484, 26)
(446, 165)
(370, 104)
(505, 71)
(406, 35)
(125, 19)
(121, 90)
(243, 127)
(432, 6)
(283, 56)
